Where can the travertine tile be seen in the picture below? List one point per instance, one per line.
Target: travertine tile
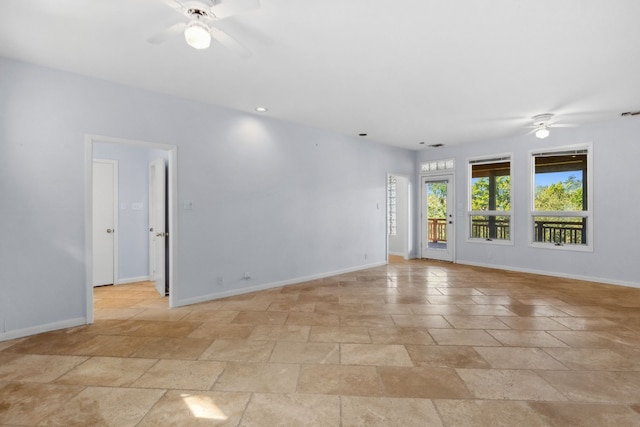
(420, 321)
(596, 359)
(313, 319)
(385, 411)
(400, 335)
(280, 333)
(497, 348)
(29, 403)
(526, 339)
(306, 352)
(508, 384)
(475, 413)
(105, 406)
(259, 377)
(336, 334)
(260, 318)
(519, 358)
(107, 371)
(422, 382)
(292, 410)
(475, 322)
(339, 380)
(560, 414)
(238, 351)
(181, 374)
(197, 408)
(440, 356)
(216, 331)
(374, 355)
(463, 337)
(35, 368)
(595, 386)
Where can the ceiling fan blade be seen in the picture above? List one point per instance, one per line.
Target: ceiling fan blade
(169, 32)
(225, 9)
(229, 42)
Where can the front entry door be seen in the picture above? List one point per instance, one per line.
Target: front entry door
(437, 218)
(105, 198)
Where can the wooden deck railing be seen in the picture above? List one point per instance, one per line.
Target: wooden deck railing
(558, 232)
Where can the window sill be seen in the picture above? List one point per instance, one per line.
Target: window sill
(492, 241)
(572, 248)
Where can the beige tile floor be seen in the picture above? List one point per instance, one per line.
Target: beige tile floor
(414, 343)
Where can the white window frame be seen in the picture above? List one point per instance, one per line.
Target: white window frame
(588, 247)
(496, 158)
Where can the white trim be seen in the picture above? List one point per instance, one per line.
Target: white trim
(602, 280)
(265, 286)
(496, 158)
(172, 166)
(451, 207)
(585, 148)
(133, 280)
(408, 246)
(47, 327)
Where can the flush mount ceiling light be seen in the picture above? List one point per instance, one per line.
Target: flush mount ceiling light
(197, 35)
(261, 109)
(541, 122)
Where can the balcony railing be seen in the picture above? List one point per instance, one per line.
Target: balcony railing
(558, 232)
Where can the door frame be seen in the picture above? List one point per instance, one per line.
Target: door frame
(408, 246)
(116, 226)
(451, 228)
(172, 211)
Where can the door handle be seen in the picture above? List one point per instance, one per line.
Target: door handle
(110, 230)
(162, 234)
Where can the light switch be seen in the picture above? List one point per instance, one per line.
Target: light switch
(188, 205)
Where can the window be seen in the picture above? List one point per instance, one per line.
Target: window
(560, 213)
(437, 165)
(392, 185)
(490, 199)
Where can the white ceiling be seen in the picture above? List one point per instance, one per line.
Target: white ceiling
(402, 71)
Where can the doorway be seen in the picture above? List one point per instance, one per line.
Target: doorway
(398, 216)
(134, 207)
(437, 216)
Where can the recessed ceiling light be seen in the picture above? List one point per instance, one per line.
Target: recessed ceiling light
(362, 134)
(261, 109)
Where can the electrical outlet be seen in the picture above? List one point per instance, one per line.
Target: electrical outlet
(247, 275)
(219, 281)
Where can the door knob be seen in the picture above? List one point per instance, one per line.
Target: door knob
(161, 234)
(110, 230)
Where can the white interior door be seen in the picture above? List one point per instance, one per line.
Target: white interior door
(157, 224)
(105, 217)
(437, 218)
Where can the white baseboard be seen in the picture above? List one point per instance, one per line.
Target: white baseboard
(265, 286)
(133, 280)
(19, 333)
(603, 280)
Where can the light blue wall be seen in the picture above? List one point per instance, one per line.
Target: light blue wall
(133, 188)
(278, 200)
(616, 240)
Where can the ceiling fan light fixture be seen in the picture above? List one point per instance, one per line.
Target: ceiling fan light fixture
(542, 133)
(197, 35)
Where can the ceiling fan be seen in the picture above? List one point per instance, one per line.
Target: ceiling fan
(542, 123)
(198, 23)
